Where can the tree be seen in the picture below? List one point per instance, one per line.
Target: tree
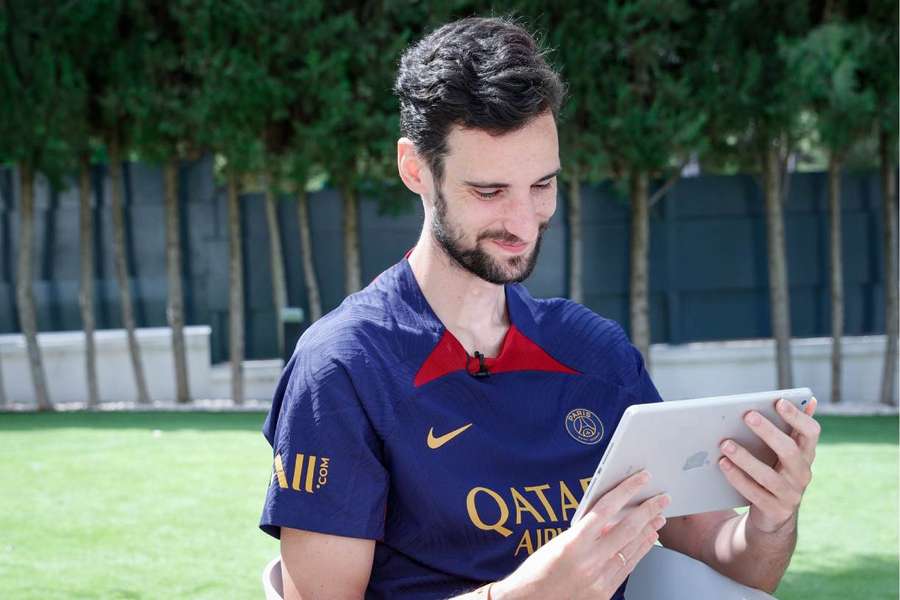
(828, 63)
(359, 127)
(288, 64)
(86, 49)
(35, 78)
(756, 104)
(219, 42)
(633, 112)
(564, 28)
(166, 123)
(881, 75)
(299, 59)
(109, 60)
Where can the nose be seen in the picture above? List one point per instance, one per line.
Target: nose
(521, 216)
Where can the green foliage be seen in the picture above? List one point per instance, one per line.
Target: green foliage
(754, 98)
(39, 87)
(633, 83)
(880, 65)
(167, 108)
(304, 88)
(106, 45)
(828, 64)
(360, 115)
(232, 94)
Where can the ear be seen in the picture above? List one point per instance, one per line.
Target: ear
(413, 170)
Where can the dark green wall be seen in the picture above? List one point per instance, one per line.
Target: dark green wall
(708, 262)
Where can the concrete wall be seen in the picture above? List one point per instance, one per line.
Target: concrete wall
(708, 269)
(713, 368)
(63, 354)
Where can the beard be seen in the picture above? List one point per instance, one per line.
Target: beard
(476, 260)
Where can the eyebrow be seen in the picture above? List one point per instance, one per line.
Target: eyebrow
(481, 184)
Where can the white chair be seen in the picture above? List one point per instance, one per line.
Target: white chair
(271, 580)
(664, 574)
(661, 575)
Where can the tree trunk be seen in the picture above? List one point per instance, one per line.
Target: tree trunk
(175, 299)
(778, 277)
(352, 276)
(639, 274)
(118, 219)
(313, 297)
(236, 293)
(837, 275)
(576, 284)
(279, 287)
(24, 291)
(891, 304)
(86, 290)
(4, 401)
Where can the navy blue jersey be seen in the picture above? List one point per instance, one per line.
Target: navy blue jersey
(384, 428)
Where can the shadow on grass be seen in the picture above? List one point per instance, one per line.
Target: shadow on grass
(858, 430)
(863, 576)
(164, 421)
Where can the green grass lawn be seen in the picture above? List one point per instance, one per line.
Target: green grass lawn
(98, 506)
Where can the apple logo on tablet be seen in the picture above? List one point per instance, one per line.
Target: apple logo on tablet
(695, 461)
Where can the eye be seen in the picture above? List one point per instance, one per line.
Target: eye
(487, 195)
(543, 186)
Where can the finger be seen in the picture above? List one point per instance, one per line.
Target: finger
(763, 474)
(616, 570)
(811, 406)
(801, 422)
(749, 489)
(632, 525)
(781, 443)
(650, 530)
(612, 502)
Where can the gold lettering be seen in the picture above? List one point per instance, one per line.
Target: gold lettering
(310, 472)
(522, 504)
(279, 472)
(567, 501)
(584, 484)
(298, 472)
(549, 534)
(539, 490)
(323, 471)
(525, 543)
(476, 519)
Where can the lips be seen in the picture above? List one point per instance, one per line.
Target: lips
(514, 248)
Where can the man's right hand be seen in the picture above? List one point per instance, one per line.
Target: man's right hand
(593, 557)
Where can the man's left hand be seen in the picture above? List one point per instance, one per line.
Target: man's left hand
(774, 492)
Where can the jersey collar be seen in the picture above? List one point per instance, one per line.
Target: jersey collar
(518, 351)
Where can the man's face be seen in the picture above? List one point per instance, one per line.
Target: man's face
(496, 199)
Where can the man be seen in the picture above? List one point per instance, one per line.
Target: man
(433, 434)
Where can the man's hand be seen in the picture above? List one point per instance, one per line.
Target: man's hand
(774, 492)
(593, 557)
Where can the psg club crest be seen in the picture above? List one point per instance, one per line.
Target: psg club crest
(584, 426)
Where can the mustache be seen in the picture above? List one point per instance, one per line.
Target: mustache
(507, 237)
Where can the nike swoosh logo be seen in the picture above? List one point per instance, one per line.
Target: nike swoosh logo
(436, 442)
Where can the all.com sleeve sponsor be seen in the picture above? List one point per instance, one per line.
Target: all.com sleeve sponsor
(327, 473)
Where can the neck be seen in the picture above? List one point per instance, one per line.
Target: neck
(473, 309)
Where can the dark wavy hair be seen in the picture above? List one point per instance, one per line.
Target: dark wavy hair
(479, 73)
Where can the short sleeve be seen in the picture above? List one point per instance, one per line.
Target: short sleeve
(328, 474)
(640, 386)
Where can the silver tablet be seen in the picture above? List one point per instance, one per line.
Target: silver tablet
(678, 443)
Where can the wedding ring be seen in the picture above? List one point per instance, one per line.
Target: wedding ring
(622, 558)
